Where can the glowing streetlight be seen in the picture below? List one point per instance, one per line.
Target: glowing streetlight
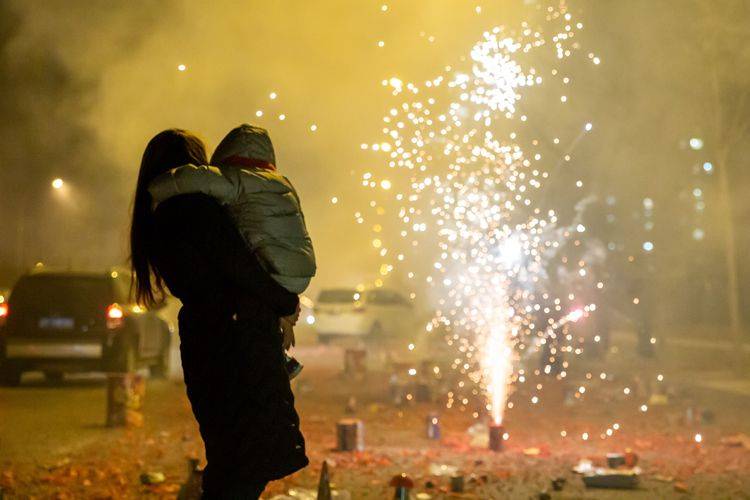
(58, 183)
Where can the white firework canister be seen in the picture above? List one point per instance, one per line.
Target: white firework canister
(125, 394)
(433, 426)
(350, 435)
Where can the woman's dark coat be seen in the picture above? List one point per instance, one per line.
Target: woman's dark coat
(229, 342)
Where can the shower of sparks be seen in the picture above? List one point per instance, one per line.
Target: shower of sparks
(459, 206)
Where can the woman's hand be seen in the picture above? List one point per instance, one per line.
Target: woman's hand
(296, 314)
(287, 331)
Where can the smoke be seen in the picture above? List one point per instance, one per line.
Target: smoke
(51, 72)
(85, 84)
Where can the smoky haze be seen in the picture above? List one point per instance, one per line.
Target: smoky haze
(84, 85)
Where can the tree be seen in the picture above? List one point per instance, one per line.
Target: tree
(724, 47)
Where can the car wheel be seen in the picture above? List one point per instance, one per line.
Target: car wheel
(161, 368)
(53, 376)
(10, 376)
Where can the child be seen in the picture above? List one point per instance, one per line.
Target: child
(263, 204)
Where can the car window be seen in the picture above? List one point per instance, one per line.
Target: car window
(402, 300)
(72, 293)
(122, 288)
(383, 297)
(338, 296)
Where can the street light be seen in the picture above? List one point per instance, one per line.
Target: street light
(57, 184)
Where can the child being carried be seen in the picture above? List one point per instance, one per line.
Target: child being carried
(262, 203)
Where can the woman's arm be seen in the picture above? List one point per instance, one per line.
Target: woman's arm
(208, 227)
(189, 179)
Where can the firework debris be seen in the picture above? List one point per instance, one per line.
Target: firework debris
(615, 460)
(125, 394)
(558, 483)
(397, 443)
(152, 478)
(403, 485)
(737, 440)
(457, 483)
(605, 477)
(612, 478)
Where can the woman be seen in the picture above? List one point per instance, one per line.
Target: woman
(229, 327)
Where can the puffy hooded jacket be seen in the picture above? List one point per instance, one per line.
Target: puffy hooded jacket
(263, 203)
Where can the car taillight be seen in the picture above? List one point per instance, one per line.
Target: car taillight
(115, 316)
(3, 313)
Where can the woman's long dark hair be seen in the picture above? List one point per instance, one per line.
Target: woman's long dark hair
(167, 150)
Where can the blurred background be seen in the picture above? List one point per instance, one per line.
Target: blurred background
(659, 186)
(86, 84)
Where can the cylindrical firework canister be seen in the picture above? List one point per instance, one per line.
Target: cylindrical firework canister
(350, 435)
(403, 484)
(496, 437)
(125, 393)
(457, 483)
(433, 426)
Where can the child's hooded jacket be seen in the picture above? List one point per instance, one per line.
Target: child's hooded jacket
(262, 202)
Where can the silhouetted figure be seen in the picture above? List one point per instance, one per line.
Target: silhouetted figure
(230, 340)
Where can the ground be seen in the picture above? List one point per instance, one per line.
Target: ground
(53, 443)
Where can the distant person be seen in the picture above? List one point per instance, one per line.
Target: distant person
(263, 204)
(230, 338)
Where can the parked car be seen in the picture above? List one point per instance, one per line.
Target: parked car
(4, 296)
(64, 321)
(346, 312)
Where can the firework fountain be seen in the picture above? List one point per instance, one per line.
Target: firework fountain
(465, 192)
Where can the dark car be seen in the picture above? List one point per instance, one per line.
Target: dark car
(65, 321)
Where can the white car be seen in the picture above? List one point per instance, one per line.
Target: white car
(348, 313)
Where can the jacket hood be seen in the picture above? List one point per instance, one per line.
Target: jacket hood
(245, 141)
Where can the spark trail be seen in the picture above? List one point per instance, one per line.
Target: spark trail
(461, 211)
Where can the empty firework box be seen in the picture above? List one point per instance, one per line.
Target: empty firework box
(350, 435)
